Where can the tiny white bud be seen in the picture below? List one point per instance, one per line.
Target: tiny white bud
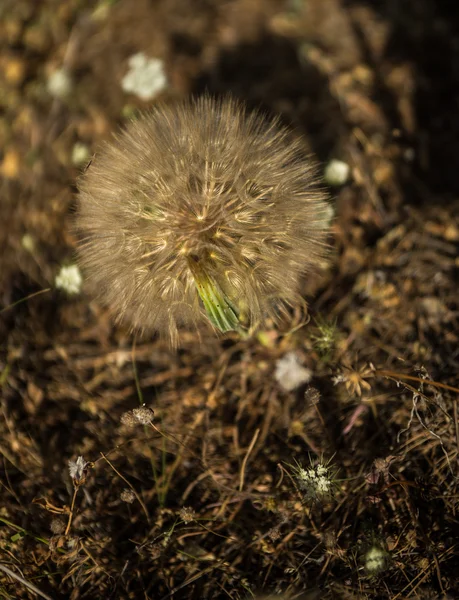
(289, 372)
(80, 154)
(59, 84)
(28, 242)
(69, 279)
(336, 173)
(375, 560)
(146, 77)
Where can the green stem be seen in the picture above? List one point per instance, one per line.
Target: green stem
(221, 311)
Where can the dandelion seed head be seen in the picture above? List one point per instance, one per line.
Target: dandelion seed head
(200, 200)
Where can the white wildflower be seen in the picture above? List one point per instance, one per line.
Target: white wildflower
(146, 77)
(28, 242)
(59, 84)
(289, 372)
(317, 482)
(80, 154)
(375, 560)
(330, 213)
(69, 279)
(336, 172)
(78, 470)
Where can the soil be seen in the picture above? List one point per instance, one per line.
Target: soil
(212, 495)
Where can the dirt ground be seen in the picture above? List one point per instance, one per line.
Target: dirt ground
(211, 496)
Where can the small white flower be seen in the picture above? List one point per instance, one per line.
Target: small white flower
(317, 482)
(80, 154)
(336, 172)
(289, 372)
(330, 213)
(375, 560)
(146, 77)
(69, 279)
(28, 242)
(59, 84)
(338, 379)
(78, 470)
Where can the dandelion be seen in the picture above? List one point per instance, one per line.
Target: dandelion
(201, 211)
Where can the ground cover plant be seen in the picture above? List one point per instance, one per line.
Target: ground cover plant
(316, 457)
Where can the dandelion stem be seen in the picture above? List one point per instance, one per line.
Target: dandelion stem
(219, 308)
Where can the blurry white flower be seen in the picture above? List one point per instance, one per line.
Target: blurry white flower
(375, 560)
(145, 78)
(336, 172)
(78, 470)
(28, 242)
(59, 83)
(69, 279)
(289, 373)
(80, 154)
(330, 213)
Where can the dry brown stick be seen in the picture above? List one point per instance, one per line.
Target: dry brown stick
(395, 375)
(246, 458)
(29, 585)
(69, 522)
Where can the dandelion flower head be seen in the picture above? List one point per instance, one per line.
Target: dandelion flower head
(198, 211)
